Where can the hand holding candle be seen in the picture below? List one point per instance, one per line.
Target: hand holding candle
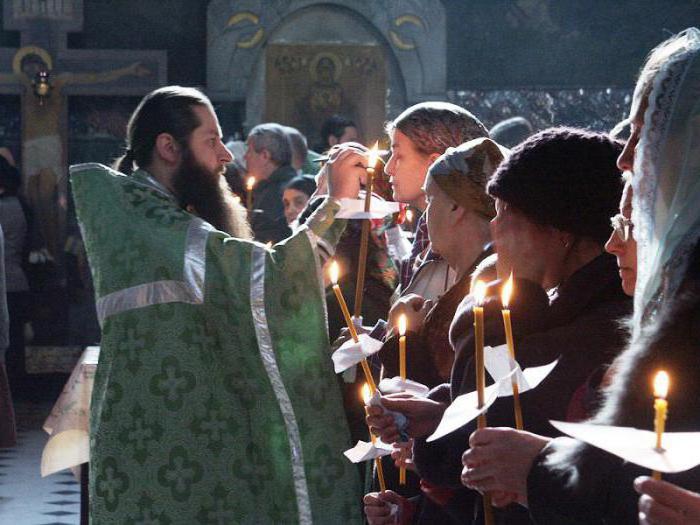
(505, 300)
(661, 382)
(334, 274)
(366, 395)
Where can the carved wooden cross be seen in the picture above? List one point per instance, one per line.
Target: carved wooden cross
(44, 72)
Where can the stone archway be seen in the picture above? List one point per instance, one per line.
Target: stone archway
(410, 33)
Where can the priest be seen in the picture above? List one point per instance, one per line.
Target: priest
(215, 399)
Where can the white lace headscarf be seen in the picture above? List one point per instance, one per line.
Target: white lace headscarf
(666, 182)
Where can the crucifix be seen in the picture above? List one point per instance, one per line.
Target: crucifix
(44, 72)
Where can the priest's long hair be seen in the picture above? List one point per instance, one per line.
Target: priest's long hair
(165, 110)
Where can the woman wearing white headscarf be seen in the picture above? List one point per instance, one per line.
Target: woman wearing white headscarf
(565, 481)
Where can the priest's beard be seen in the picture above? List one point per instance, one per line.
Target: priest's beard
(207, 195)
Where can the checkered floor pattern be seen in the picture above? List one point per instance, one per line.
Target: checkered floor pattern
(25, 497)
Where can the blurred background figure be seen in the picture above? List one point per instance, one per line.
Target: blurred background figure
(8, 431)
(512, 131)
(236, 171)
(337, 130)
(15, 218)
(269, 160)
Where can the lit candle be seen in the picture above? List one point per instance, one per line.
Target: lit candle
(402, 346)
(250, 184)
(479, 296)
(402, 372)
(364, 237)
(409, 218)
(661, 382)
(334, 274)
(505, 300)
(366, 396)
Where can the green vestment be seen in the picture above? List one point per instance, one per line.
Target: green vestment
(215, 400)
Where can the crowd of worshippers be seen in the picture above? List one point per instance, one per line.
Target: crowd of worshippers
(599, 237)
(556, 212)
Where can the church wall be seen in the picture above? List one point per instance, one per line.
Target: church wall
(493, 45)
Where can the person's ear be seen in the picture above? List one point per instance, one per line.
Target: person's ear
(265, 154)
(457, 213)
(167, 148)
(433, 157)
(332, 140)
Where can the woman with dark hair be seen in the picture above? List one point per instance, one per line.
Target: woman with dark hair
(554, 196)
(296, 196)
(564, 480)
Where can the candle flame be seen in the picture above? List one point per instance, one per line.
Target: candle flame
(334, 272)
(373, 156)
(507, 291)
(366, 393)
(479, 292)
(250, 183)
(661, 382)
(409, 216)
(402, 324)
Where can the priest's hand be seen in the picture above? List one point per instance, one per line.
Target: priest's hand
(378, 509)
(345, 169)
(499, 462)
(423, 416)
(665, 503)
(414, 307)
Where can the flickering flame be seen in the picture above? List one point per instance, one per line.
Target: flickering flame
(479, 292)
(409, 216)
(507, 291)
(366, 393)
(250, 183)
(334, 272)
(373, 156)
(661, 382)
(402, 324)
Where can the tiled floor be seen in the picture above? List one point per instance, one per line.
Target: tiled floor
(25, 497)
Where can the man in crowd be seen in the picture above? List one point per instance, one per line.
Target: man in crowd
(268, 158)
(337, 129)
(214, 389)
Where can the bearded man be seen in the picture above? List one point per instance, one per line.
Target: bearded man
(214, 390)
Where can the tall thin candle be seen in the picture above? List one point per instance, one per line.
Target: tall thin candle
(479, 296)
(364, 236)
(505, 300)
(402, 372)
(366, 395)
(334, 274)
